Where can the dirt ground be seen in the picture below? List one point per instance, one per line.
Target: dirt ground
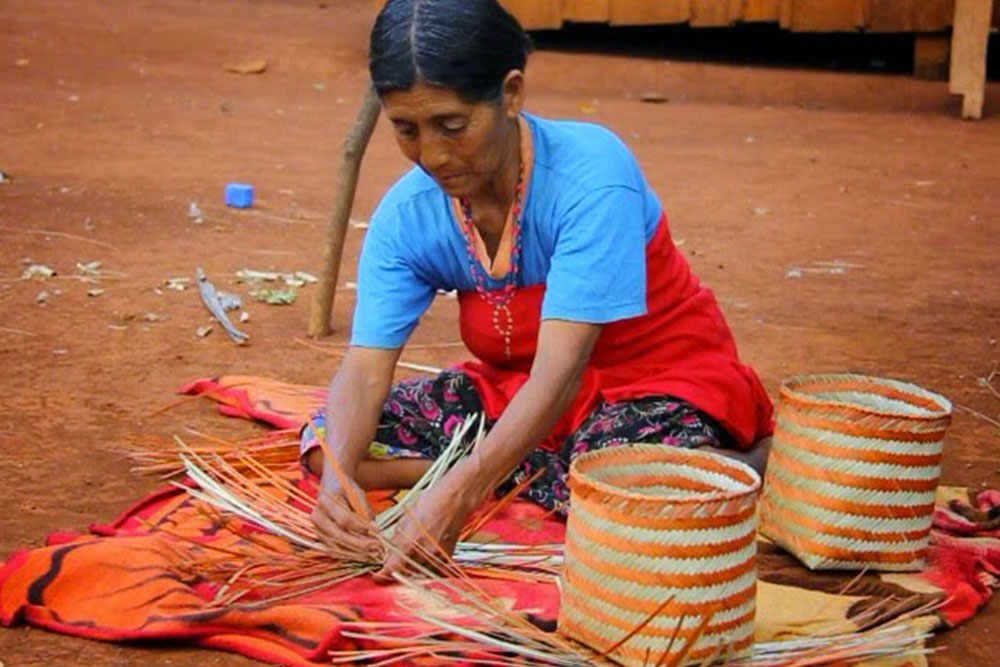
(116, 115)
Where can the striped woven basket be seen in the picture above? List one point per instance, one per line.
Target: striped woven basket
(660, 542)
(853, 472)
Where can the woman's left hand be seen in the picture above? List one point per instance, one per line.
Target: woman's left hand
(433, 526)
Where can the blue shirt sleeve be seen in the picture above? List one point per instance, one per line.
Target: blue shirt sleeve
(598, 269)
(391, 295)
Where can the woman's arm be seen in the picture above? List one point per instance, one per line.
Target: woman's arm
(357, 393)
(563, 351)
(564, 348)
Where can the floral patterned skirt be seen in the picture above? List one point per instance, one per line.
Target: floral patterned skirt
(421, 415)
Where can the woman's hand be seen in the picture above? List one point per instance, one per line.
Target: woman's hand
(433, 526)
(337, 523)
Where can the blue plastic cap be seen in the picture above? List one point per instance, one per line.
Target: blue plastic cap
(239, 195)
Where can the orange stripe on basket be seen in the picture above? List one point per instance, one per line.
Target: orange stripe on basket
(577, 551)
(788, 514)
(865, 482)
(847, 428)
(648, 607)
(596, 613)
(864, 455)
(641, 656)
(778, 532)
(650, 548)
(864, 509)
(630, 519)
(877, 389)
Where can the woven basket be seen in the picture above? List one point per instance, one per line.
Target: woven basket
(853, 472)
(663, 535)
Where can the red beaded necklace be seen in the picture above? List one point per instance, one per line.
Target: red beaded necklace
(499, 299)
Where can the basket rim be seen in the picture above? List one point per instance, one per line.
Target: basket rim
(669, 451)
(788, 390)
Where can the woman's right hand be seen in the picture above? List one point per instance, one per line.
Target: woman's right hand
(337, 523)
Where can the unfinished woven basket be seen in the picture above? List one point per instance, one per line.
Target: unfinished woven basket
(853, 472)
(663, 535)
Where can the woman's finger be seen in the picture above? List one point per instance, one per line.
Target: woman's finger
(340, 511)
(337, 508)
(390, 567)
(333, 534)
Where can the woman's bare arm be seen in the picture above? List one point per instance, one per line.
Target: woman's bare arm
(357, 393)
(564, 348)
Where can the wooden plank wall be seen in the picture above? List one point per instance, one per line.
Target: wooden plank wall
(797, 15)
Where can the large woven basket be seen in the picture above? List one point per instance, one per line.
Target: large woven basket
(663, 535)
(853, 472)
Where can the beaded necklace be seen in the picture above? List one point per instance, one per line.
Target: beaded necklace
(499, 299)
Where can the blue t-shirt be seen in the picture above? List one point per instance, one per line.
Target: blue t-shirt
(588, 216)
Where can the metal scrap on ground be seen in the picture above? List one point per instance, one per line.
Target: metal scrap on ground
(210, 297)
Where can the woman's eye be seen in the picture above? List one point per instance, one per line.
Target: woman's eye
(453, 127)
(406, 131)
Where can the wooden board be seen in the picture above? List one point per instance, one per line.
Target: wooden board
(934, 16)
(889, 15)
(827, 15)
(762, 10)
(711, 13)
(586, 11)
(649, 12)
(536, 14)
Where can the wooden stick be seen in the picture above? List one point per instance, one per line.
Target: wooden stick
(347, 183)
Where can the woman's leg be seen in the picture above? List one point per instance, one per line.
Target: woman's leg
(417, 423)
(654, 419)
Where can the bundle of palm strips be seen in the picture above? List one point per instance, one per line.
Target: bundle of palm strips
(281, 555)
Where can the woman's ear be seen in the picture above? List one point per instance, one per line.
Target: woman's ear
(513, 93)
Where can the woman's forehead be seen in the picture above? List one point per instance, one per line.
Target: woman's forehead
(424, 101)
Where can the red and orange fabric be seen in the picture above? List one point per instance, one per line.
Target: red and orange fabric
(127, 580)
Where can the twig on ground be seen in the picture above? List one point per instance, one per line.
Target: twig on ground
(65, 235)
(979, 415)
(985, 382)
(265, 217)
(21, 332)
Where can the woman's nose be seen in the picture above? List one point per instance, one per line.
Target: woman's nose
(433, 155)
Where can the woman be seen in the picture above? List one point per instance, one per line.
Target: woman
(588, 326)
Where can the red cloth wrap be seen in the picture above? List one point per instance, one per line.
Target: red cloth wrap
(682, 347)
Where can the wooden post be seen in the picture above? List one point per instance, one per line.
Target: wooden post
(970, 37)
(343, 201)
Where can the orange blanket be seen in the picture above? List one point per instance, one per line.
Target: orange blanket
(128, 581)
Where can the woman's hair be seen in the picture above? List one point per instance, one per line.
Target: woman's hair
(468, 46)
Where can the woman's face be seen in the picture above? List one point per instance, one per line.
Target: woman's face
(462, 146)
